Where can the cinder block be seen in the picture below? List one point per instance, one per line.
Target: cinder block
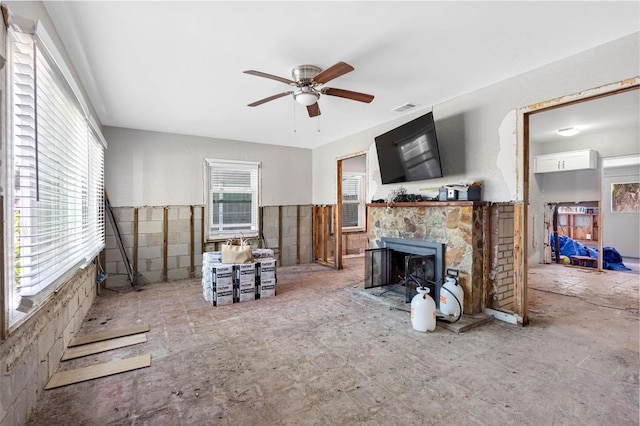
(150, 227)
(155, 239)
(112, 255)
(157, 214)
(185, 213)
(172, 262)
(123, 214)
(172, 213)
(149, 252)
(177, 250)
(184, 261)
(155, 264)
(45, 341)
(144, 214)
(177, 274)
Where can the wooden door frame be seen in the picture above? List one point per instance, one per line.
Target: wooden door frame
(521, 239)
(338, 209)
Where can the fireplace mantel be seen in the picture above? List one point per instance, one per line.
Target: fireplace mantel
(428, 204)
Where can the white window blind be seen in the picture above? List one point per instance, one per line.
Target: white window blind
(57, 175)
(233, 198)
(352, 201)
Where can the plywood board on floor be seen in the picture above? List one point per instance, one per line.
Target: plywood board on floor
(78, 375)
(109, 334)
(103, 346)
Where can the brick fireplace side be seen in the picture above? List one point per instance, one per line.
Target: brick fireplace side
(458, 225)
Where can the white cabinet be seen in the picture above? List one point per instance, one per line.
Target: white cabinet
(565, 161)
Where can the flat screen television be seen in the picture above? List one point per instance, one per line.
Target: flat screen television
(409, 152)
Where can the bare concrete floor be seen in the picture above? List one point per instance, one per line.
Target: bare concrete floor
(317, 354)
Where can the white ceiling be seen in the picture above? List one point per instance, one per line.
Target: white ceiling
(178, 66)
(618, 111)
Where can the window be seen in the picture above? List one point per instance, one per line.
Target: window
(232, 198)
(352, 200)
(55, 175)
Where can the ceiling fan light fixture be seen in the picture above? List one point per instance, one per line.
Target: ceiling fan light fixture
(569, 131)
(306, 98)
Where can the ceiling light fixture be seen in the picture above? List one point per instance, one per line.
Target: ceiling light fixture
(306, 97)
(569, 131)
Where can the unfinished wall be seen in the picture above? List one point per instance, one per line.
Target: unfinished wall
(31, 354)
(162, 244)
(288, 231)
(166, 243)
(500, 285)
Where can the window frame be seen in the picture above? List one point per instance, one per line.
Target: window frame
(360, 201)
(255, 168)
(77, 175)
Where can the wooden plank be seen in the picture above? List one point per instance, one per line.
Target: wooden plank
(103, 346)
(109, 334)
(83, 374)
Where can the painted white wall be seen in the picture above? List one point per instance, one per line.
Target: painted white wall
(155, 169)
(470, 128)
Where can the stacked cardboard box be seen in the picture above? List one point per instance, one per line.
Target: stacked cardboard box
(260, 253)
(222, 284)
(225, 283)
(266, 277)
(245, 281)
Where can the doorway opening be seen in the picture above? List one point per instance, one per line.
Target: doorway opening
(530, 223)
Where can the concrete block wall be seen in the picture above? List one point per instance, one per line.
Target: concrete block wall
(501, 293)
(354, 242)
(31, 354)
(165, 243)
(288, 231)
(162, 243)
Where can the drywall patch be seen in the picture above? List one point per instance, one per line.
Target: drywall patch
(506, 160)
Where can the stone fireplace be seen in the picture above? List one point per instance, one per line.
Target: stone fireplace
(455, 226)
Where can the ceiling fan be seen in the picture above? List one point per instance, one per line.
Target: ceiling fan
(308, 81)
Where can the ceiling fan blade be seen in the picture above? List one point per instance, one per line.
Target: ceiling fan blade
(270, 98)
(313, 110)
(271, 76)
(347, 94)
(332, 72)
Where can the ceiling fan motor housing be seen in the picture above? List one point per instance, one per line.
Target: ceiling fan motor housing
(304, 74)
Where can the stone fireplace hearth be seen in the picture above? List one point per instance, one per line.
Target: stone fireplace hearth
(457, 225)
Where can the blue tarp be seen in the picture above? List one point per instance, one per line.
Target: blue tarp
(568, 247)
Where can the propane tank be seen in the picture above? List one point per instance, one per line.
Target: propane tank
(423, 311)
(448, 304)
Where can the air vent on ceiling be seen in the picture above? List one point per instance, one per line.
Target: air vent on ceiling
(405, 107)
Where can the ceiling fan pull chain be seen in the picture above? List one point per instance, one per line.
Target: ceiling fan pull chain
(318, 124)
(294, 116)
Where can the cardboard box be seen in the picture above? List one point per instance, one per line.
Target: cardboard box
(262, 253)
(211, 257)
(207, 291)
(245, 281)
(267, 288)
(222, 284)
(266, 269)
